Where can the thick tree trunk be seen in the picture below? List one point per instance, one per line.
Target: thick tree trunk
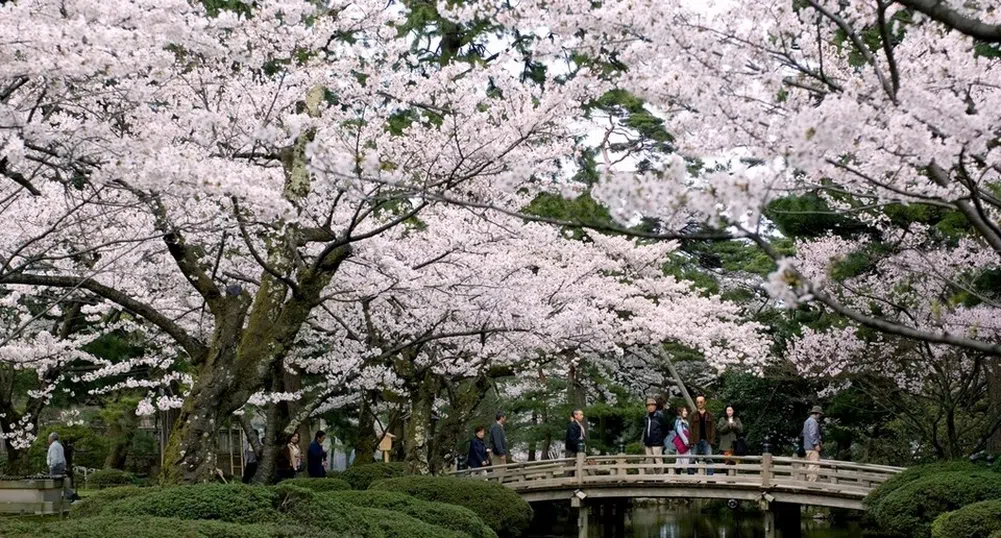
(121, 432)
(994, 398)
(418, 432)
(367, 440)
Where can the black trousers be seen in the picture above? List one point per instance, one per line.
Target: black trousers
(249, 470)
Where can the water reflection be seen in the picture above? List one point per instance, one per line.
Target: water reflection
(679, 521)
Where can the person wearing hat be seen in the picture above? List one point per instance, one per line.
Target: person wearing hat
(812, 442)
(655, 430)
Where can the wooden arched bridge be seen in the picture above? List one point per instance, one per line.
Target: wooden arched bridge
(773, 482)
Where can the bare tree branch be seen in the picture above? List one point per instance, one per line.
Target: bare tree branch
(942, 12)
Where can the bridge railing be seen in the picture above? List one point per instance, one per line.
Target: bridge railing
(765, 472)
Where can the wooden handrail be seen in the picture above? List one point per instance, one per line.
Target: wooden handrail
(765, 472)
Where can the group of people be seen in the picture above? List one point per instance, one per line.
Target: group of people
(694, 439)
(690, 439)
(289, 460)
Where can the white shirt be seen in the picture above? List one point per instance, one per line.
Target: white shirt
(55, 455)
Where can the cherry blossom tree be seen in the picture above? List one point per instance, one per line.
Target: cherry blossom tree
(220, 168)
(874, 106)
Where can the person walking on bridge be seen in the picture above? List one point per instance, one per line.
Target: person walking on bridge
(703, 432)
(813, 442)
(731, 430)
(682, 440)
(576, 434)
(655, 429)
(498, 441)
(478, 450)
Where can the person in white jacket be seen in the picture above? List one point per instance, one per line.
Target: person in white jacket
(56, 457)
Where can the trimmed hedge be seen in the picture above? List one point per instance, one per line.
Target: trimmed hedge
(235, 503)
(110, 478)
(362, 476)
(910, 509)
(449, 516)
(94, 504)
(259, 509)
(971, 521)
(136, 527)
(318, 484)
(499, 507)
(915, 473)
(322, 510)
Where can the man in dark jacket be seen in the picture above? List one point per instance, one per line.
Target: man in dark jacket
(576, 434)
(478, 450)
(655, 429)
(316, 457)
(498, 442)
(703, 432)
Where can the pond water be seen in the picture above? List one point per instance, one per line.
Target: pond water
(679, 521)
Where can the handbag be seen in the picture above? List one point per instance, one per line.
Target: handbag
(740, 447)
(680, 445)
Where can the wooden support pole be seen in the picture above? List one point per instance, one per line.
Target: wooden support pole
(582, 529)
(679, 382)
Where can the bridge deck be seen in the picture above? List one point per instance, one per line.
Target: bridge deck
(765, 478)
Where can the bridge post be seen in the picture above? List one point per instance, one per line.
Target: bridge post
(577, 501)
(766, 470)
(579, 468)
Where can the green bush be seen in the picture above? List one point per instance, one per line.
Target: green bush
(362, 476)
(909, 510)
(971, 521)
(318, 484)
(449, 516)
(94, 504)
(499, 507)
(235, 503)
(132, 527)
(323, 510)
(109, 478)
(995, 534)
(297, 510)
(915, 473)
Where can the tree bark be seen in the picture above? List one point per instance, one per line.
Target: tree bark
(122, 432)
(994, 399)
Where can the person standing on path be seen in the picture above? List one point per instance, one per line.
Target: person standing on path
(478, 450)
(55, 459)
(730, 429)
(250, 459)
(813, 442)
(316, 457)
(498, 441)
(654, 432)
(576, 434)
(289, 458)
(703, 433)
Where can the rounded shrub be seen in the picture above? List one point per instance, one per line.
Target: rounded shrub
(136, 527)
(971, 521)
(95, 503)
(110, 478)
(361, 476)
(499, 507)
(318, 484)
(910, 509)
(915, 473)
(235, 503)
(323, 510)
(449, 516)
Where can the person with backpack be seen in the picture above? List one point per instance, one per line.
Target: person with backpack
(655, 430)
